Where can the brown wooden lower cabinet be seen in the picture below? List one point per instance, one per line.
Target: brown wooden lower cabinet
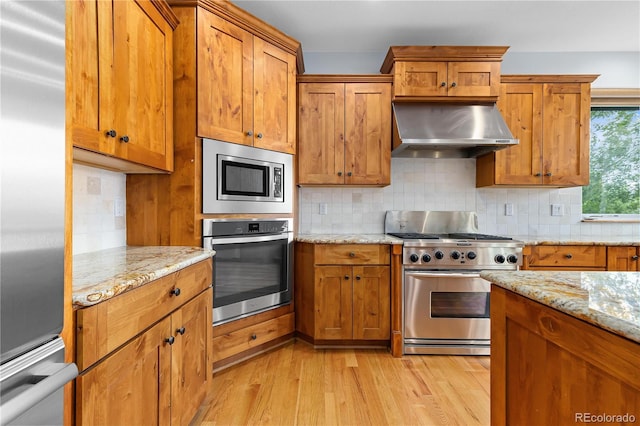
(565, 257)
(623, 258)
(549, 368)
(160, 374)
(343, 292)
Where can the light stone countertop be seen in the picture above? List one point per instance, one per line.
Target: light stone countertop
(571, 241)
(348, 239)
(608, 300)
(101, 275)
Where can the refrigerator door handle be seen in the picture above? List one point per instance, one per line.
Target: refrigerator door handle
(19, 404)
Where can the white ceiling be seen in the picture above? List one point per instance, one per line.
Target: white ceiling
(526, 26)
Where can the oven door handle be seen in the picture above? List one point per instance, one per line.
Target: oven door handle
(435, 274)
(248, 239)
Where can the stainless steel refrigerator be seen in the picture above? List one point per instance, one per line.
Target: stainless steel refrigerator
(32, 184)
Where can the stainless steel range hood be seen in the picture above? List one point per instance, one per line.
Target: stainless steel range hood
(431, 130)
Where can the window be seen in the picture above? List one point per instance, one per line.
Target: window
(614, 188)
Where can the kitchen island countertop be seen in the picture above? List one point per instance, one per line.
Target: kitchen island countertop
(608, 300)
(101, 275)
(347, 239)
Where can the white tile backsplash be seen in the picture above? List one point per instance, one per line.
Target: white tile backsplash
(449, 184)
(95, 225)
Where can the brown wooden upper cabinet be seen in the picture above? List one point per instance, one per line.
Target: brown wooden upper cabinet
(246, 86)
(344, 127)
(550, 115)
(444, 72)
(120, 83)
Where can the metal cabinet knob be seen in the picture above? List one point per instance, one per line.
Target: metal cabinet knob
(175, 292)
(339, 173)
(634, 257)
(125, 139)
(349, 174)
(548, 174)
(453, 84)
(170, 340)
(538, 174)
(181, 330)
(253, 336)
(568, 255)
(249, 133)
(358, 277)
(443, 84)
(352, 254)
(111, 133)
(259, 135)
(346, 277)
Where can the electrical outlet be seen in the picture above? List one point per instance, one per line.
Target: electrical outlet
(508, 209)
(557, 209)
(323, 208)
(118, 207)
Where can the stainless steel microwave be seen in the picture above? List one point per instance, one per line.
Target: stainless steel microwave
(243, 179)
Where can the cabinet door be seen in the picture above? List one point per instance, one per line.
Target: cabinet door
(89, 74)
(321, 138)
(143, 84)
(420, 79)
(275, 98)
(623, 259)
(225, 80)
(371, 302)
(131, 386)
(333, 300)
(566, 109)
(191, 358)
(473, 78)
(521, 107)
(368, 134)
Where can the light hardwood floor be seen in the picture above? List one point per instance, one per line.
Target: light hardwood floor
(299, 385)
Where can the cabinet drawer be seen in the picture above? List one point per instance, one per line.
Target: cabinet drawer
(351, 254)
(241, 340)
(568, 256)
(106, 326)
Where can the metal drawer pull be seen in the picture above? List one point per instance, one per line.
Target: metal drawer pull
(352, 254)
(346, 277)
(443, 84)
(125, 139)
(634, 257)
(339, 173)
(357, 277)
(170, 340)
(548, 174)
(253, 336)
(453, 84)
(249, 133)
(568, 255)
(175, 291)
(538, 174)
(111, 133)
(181, 330)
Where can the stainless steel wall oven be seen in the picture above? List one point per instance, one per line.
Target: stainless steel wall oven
(252, 266)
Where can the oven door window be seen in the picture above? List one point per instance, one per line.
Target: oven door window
(459, 305)
(245, 271)
(244, 179)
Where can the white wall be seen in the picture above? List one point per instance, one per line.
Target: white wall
(449, 184)
(95, 224)
(616, 69)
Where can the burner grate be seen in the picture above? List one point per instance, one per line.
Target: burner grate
(414, 236)
(472, 236)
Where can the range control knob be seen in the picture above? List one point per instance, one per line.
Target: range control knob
(471, 255)
(414, 257)
(439, 255)
(512, 258)
(426, 257)
(499, 258)
(455, 255)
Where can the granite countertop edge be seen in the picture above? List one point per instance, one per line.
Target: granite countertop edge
(347, 239)
(566, 292)
(101, 275)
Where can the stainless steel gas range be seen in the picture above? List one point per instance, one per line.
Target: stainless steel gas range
(445, 302)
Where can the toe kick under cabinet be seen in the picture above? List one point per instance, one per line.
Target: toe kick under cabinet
(342, 293)
(145, 355)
